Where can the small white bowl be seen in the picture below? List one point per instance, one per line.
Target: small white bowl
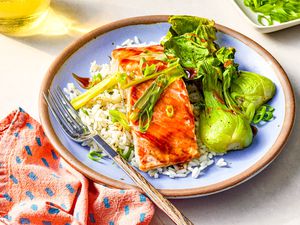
(252, 18)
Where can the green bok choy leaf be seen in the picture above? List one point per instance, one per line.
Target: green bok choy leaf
(191, 39)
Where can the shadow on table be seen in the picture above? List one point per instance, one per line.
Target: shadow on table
(291, 34)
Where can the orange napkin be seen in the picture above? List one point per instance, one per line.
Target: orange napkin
(38, 187)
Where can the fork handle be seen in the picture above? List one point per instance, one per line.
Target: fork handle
(164, 204)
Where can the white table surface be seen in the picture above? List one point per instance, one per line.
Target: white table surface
(272, 197)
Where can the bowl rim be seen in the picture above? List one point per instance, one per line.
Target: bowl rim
(171, 193)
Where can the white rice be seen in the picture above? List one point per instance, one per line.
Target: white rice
(221, 163)
(96, 117)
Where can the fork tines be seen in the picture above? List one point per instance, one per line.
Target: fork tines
(65, 114)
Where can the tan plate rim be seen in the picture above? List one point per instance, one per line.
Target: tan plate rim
(171, 193)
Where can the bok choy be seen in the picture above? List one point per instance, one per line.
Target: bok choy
(221, 128)
(222, 59)
(191, 39)
(251, 88)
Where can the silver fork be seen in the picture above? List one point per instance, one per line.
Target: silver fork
(72, 125)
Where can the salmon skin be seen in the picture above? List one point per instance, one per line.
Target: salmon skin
(169, 139)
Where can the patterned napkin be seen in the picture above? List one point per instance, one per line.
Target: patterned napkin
(38, 187)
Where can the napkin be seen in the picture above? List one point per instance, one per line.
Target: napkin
(38, 187)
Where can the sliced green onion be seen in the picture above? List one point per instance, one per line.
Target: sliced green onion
(97, 77)
(93, 92)
(172, 69)
(259, 115)
(121, 78)
(263, 113)
(117, 116)
(270, 108)
(170, 110)
(268, 116)
(95, 155)
(149, 70)
(142, 61)
(275, 10)
(144, 121)
(126, 155)
(260, 19)
(144, 107)
(84, 111)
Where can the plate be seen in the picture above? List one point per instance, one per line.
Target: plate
(98, 44)
(252, 18)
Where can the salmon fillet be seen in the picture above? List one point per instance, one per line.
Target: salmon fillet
(168, 140)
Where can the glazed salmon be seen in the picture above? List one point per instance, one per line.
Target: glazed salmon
(168, 140)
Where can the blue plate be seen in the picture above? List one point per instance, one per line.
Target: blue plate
(98, 44)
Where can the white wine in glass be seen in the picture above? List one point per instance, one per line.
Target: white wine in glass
(17, 16)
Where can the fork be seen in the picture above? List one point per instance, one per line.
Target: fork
(73, 127)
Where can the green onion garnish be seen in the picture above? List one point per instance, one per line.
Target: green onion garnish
(149, 70)
(142, 61)
(274, 10)
(84, 111)
(170, 110)
(93, 92)
(261, 18)
(97, 78)
(263, 113)
(144, 107)
(121, 78)
(144, 121)
(95, 155)
(117, 116)
(173, 67)
(125, 155)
